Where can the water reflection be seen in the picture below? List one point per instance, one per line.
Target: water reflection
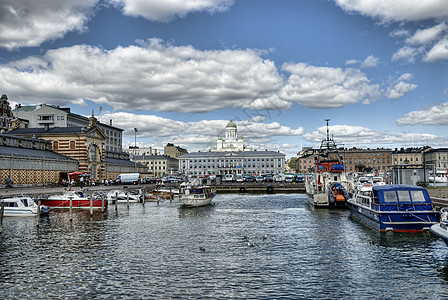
(153, 251)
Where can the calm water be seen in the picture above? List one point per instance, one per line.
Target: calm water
(153, 252)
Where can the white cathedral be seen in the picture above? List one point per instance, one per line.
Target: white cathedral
(232, 142)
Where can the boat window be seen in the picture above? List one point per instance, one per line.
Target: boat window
(417, 196)
(390, 196)
(24, 201)
(404, 196)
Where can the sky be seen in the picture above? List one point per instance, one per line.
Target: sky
(179, 70)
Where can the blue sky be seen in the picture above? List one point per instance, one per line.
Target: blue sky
(179, 70)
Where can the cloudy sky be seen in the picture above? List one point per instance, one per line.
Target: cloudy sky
(178, 70)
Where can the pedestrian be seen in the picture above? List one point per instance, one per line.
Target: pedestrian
(81, 181)
(8, 182)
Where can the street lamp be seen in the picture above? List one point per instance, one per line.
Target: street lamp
(135, 149)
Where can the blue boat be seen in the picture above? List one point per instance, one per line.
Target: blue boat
(441, 229)
(396, 207)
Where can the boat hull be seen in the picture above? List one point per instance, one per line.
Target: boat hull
(441, 231)
(21, 212)
(188, 201)
(76, 203)
(396, 221)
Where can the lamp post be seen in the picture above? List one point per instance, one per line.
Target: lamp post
(135, 149)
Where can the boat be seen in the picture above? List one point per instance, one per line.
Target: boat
(22, 206)
(393, 207)
(195, 196)
(123, 196)
(75, 199)
(327, 186)
(440, 177)
(441, 229)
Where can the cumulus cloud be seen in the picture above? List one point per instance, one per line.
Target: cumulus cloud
(25, 23)
(400, 87)
(432, 115)
(407, 54)
(200, 135)
(370, 61)
(165, 11)
(354, 136)
(424, 36)
(397, 10)
(325, 87)
(154, 76)
(438, 52)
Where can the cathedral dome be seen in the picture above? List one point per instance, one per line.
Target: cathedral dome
(231, 124)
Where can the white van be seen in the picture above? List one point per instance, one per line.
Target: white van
(129, 178)
(229, 178)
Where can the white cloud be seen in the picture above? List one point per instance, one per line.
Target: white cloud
(397, 10)
(25, 23)
(408, 54)
(433, 115)
(400, 87)
(370, 61)
(351, 62)
(325, 87)
(200, 135)
(425, 36)
(155, 76)
(438, 52)
(165, 11)
(354, 136)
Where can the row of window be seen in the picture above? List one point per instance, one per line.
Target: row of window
(232, 160)
(37, 164)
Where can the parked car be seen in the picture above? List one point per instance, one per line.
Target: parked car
(239, 178)
(289, 178)
(269, 178)
(229, 178)
(259, 178)
(279, 178)
(249, 178)
(151, 179)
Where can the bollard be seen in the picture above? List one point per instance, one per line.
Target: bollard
(38, 213)
(144, 196)
(127, 198)
(2, 210)
(91, 206)
(116, 201)
(102, 204)
(71, 209)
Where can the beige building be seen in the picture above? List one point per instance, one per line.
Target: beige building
(158, 165)
(174, 151)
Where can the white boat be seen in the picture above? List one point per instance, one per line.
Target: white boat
(122, 196)
(191, 196)
(328, 185)
(441, 229)
(22, 206)
(441, 176)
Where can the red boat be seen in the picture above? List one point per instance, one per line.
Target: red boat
(77, 200)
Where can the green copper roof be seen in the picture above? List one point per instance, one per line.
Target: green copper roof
(231, 124)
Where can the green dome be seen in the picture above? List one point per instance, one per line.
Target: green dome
(230, 124)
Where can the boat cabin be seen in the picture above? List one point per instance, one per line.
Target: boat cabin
(398, 197)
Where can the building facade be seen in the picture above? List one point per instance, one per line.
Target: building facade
(85, 144)
(437, 158)
(231, 142)
(118, 162)
(6, 115)
(50, 116)
(408, 156)
(31, 161)
(158, 165)
(236, 162)
(174, 151)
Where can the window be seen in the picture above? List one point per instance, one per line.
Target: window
(417, 196)
(55, 145)
(404, 196)
(390, 196)
(72, 145)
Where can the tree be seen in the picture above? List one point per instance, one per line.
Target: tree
(292, 163)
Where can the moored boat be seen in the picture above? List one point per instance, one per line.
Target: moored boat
(123, 196)
(75, 199)
(328, 185)
(22, 206)
(398, 208)
(191, 196)
(441, 229)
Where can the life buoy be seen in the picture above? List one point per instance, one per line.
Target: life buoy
(270, 189)
(242, 189)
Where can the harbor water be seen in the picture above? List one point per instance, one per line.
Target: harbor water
(153, 251)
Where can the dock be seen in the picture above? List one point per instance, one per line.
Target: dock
(260, 188)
